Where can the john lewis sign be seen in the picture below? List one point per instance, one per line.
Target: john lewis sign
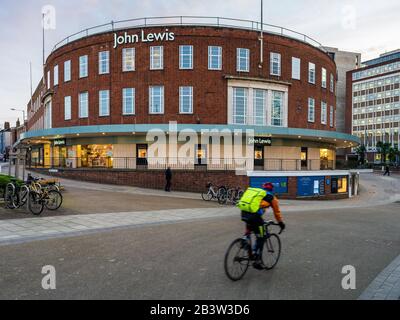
(127, 38)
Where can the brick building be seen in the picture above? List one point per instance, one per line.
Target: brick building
(104, 93)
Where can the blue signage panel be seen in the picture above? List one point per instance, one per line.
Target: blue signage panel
(280, 183)
(310, 186)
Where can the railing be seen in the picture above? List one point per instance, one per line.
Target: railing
(131, 163)
(188, 21)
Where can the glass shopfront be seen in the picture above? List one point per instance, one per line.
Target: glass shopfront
(96, 156)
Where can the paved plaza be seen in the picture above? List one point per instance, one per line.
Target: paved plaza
(120, 242)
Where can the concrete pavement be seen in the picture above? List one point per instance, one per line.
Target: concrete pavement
(185, 260)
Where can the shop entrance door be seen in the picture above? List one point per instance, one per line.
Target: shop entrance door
(141, 151)
(258, 157)
(304, 158)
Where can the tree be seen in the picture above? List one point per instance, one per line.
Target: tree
(360, 150)
(383, 150)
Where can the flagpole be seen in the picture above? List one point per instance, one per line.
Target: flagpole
(262, 36)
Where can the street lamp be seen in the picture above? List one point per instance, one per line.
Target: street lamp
(21, 110)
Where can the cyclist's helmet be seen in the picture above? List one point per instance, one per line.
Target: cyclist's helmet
(268, 186)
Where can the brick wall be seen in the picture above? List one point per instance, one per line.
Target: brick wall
(209, 87)
(188, 181)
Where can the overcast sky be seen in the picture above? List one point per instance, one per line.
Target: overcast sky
(370, 27)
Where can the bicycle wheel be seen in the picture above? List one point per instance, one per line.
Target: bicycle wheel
(206, 196)
(23, 195)
(271, 251)
(35, 203)
(237, 260)
(11, 197)
(54, 200)
(223, 198)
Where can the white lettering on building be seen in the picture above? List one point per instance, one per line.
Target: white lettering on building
(127, 38)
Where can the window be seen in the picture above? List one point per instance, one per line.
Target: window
(83, 66)
(128, 101)
(67, 71)
(259, 109)
(277, 106)
(296, 63)
(55, 74)
(311, 110)
(48, 79)
(186, 99)
(243, 60)
(332, 83)
(156, 100)
(185, 57)
(324, 79)
(128, 59)
(104, 62)
(323, 112)
(239, 105)
(156, 58)
(311, 73)
(331, 116)
(104, 103)
(214, 58)
(275, 64)
(67, 108)
(83, 105)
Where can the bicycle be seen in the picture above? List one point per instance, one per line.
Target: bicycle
(15, 195)
(43, 197)
(243, 255)
(233, 195)
(211, 194)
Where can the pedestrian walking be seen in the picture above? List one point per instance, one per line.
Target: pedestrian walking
(387, 171)
(168, 178)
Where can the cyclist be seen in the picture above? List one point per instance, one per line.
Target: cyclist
(255, 221)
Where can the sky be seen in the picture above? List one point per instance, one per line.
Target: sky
(369, 27)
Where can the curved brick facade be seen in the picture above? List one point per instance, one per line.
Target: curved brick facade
(209, 87)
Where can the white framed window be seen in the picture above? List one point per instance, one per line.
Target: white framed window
(277, 108)
(332, 83)
(67, 71)
(323, 112)
(240, 101)
(104, 103)
(311, 73)
(185, 57)
(186, 100)
(156, 100)
(214, 58)
(128, 101)
(331, 116)
(128, 59)
(83, 105)
(83, 66)
(275, 64)
(104, 62)
(296, 68)
(55, 75)
(48, 79)
(259, 107)
(243, 60)
(157, 58)
(311, 110)
(324, 78)
(67, 108)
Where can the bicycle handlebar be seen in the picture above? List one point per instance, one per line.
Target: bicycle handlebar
(271, 223)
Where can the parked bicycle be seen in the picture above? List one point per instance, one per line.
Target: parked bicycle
(240, 253)
(213, 192)
(232, 196)
(41, 197)
(15, 195)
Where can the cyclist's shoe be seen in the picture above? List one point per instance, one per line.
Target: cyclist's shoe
(258, 265)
